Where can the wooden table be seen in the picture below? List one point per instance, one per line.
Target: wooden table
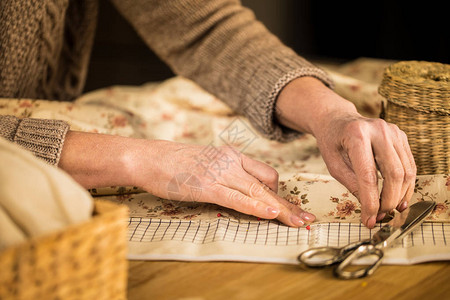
(229, 280)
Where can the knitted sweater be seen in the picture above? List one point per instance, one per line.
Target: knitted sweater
(45, 48)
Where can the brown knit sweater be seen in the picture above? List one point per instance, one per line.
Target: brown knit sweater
(45, 48)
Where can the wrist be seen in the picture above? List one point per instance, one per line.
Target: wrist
(305, 104)
(97, 160)
(142, 161)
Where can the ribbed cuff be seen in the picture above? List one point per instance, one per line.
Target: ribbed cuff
(8, 127)
(45, 138)
(287, 134)
(261, 111)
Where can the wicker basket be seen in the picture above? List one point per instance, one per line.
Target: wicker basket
(87, 261)
(418, 101)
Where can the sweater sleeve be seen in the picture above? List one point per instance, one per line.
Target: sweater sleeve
(220, 45)
(44, 138)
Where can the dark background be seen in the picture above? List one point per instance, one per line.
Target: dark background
(333, 31)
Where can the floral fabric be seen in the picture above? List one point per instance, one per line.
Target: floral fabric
(319, 194)
(179, 110)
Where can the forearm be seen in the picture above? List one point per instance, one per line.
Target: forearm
(171, 170)
(306, 103)
(99, 160)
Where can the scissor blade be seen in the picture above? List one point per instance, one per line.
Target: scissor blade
(417, 214)
(403, 223)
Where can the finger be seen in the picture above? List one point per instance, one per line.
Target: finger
(253, 188)
(261, 171)
(394, 166)
(363, 164)
(234, 199)
(407, 159)
(289, 214)
(392, 171)
(401, 146)
(292, 215)
(338, 165)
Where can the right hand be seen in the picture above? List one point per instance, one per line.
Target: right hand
(219, 175)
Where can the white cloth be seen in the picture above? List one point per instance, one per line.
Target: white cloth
(36, 198)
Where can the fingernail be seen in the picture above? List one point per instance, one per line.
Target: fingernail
(297, 221)
(307, 216)
(371, 222)
(380, 216)
(404, 206)
(272, 210)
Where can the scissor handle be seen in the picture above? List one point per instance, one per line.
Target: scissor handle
(361, 251)
(320, 257)
(327, 256)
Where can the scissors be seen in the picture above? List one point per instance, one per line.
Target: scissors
(401, 224)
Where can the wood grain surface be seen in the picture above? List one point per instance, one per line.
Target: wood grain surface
(230, 280)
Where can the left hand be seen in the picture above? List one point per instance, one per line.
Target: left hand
(352, 146)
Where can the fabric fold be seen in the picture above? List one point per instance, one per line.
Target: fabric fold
(36, 198)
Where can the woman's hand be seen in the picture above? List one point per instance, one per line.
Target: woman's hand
(219, 175)
(352, 146)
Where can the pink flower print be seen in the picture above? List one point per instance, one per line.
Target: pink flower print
(170, 210)
(447, 183)
(123, 197)
(440, 208)
(119, 121)
(25, 104)
(293, 199)
(345, 209)
(167, 117)
(190, 217)
(354, 87)
(187, 134)
(334, 199)
(427, 182)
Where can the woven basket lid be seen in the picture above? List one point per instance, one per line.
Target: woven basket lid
(420, 85)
